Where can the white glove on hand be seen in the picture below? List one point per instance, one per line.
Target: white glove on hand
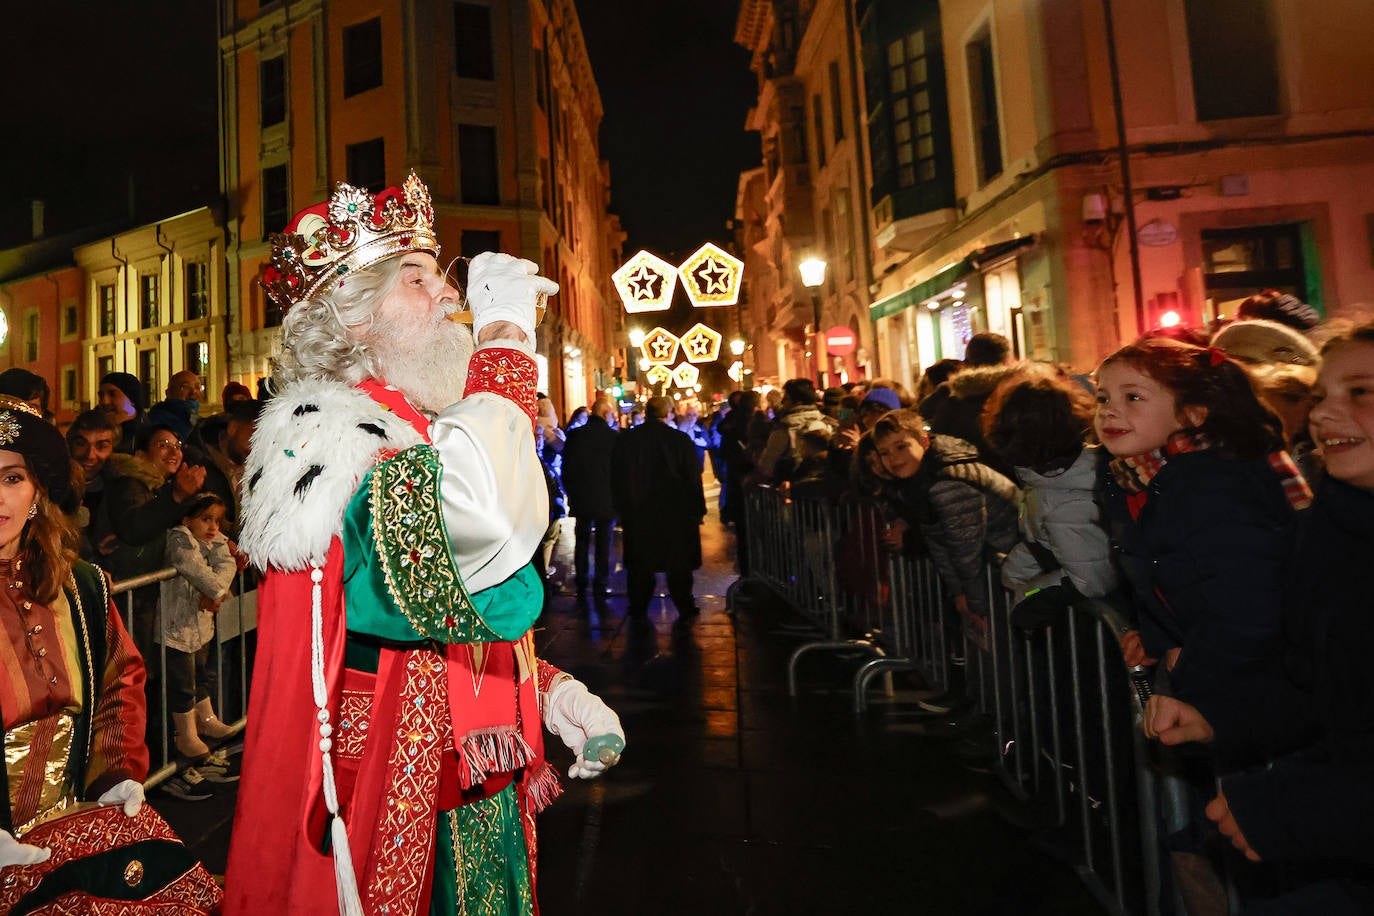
(505, 288)
(575, 714)
(13, 852)
(128, 793)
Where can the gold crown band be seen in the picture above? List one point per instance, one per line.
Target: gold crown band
(355, 235)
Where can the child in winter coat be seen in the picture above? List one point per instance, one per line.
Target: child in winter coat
(965, 512)
(1037, 424)
(205, 567)
(1314, 715)
(1199, 497)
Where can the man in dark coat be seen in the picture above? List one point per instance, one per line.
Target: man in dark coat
(656, 483)
(587, 482)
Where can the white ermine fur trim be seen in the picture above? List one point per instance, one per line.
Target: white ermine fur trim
(312, 445)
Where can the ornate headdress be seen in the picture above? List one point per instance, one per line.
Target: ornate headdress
(353, 230)
(23, 430)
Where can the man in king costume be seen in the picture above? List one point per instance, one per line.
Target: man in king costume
(394, 758)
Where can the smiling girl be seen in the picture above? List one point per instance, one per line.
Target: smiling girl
(1198, 496)
(1198, 499)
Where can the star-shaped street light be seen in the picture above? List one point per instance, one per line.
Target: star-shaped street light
(701, 344)
(645, 283)
(686, 375)
(658, 375)
(659, 346)
(711, 277)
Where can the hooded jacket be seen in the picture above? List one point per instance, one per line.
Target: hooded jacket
(956, 408)
(785, 436)
(1060, 513)
(966, 511)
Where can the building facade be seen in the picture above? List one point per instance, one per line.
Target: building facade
(42, 311)
(155, 305)
(987, 182)
(493, 104)
(1249, 135)
(807, 202)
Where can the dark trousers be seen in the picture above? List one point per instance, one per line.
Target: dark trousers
(190, 677)
(584, 530)
(640, 585)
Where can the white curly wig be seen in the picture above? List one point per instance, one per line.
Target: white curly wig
(327, 337)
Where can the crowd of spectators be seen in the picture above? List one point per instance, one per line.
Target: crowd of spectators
(1177, 483)
(152, 488)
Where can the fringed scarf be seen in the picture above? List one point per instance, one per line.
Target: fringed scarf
(1135, 472)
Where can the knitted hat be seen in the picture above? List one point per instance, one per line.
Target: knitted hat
(1265, 342)
(1283, 308)
(129, 384)
(884, 397)
(235, 390)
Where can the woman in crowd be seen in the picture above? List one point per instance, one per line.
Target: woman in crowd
(147, 497)
(71, 689)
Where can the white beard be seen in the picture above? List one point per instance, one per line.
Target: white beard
(425, 358)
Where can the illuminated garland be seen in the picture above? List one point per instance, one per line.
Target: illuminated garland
(686, 375)
(645, 283)
(701, 344)
(660, 346)
(711, 277)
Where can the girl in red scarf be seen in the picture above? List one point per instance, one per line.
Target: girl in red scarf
(1198, 499)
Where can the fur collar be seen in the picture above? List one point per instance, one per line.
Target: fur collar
(979, 381)
(121, 465)
(312, 445)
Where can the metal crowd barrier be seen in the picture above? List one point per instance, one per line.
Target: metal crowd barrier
(230, 657)
(1064, 716)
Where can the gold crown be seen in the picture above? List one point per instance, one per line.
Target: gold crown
(353, 230)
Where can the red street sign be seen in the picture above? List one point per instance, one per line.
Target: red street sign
(840, 341)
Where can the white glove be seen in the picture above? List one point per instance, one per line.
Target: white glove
(505, 288)
(575, 715)
(128, 793)
(13, 852)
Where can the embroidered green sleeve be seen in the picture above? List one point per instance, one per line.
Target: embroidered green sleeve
(413, 552)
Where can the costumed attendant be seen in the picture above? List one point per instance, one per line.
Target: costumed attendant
(71, 682)
(394, 758)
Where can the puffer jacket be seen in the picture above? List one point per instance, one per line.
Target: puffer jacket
(966, 513)
(202, 570)
(782, 453)
(1060, 514)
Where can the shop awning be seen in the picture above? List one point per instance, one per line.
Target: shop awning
(947, 277)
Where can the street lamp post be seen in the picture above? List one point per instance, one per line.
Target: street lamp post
(813, 275)
(737, 351)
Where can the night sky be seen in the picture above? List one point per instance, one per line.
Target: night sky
(98, 93)
(676, 90)
(99, 96)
